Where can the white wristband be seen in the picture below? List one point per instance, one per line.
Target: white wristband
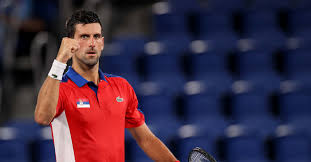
(57, 70)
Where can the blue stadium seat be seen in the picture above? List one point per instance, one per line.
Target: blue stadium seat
(220, 41)
(255, 21)
(171, 24)
(184, 6)
(46, 10)
(298, 20)
(227, 6)
(174, 44)
(13, 148)
(269, 40)
(295, 110)
(10, 160)
(46, 150)
(26, 130)
(295, 160)
(217, 30)
(185, 145)
(44, 146)
(300, 40)
(212, 126)
(297, 66)
(254, 160)
(201, 106)
(117, 64)
(120, 65)
(295, 105)
(211, 22)
(121, 57)
(245, 148)
(158, 107)
(204, 111)
(254, 112)
(210, 67)
(17, 139)
(129, 45)
(290, 148)
(165, 69)
(160, 114)
(269, 5)
(257, 67)
(165, 129)
(262, 27)
(301, 4)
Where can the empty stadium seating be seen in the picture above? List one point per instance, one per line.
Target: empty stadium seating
(264, 30)
(14, 150)
(295, 110)
(255, 112)
(211, 68)
(165, 69)
(297, 66)
(258, 67)
(245, 148)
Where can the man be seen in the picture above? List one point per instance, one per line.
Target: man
(87, 109)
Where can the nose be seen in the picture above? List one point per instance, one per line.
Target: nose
(92, 43)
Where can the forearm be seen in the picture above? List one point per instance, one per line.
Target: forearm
(49, 92)
(156, 150)
(47, 101)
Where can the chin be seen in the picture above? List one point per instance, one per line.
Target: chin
(91, 63)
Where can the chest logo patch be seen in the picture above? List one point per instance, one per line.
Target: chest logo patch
(119, 99)
(83, 103)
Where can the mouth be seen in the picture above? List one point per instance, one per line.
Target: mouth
(92, 53)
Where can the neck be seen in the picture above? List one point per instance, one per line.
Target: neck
(87, 72)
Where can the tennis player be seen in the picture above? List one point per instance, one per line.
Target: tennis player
(88, 109)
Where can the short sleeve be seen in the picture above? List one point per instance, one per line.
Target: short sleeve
(134, 116)
(60, 103)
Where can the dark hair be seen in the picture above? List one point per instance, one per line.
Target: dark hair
(80, 17)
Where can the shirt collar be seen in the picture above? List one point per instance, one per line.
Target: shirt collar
(78, 79)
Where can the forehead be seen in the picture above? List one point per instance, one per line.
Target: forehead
(93, 28)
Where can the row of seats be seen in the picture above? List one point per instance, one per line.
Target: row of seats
(185, 6)
(250, 148)
(26, 141)
(214, 112)
(237, 144)
(205, 25)
(215, 69)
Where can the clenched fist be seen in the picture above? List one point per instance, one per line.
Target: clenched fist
(67, 48)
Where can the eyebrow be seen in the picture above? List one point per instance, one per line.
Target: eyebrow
(89, 34)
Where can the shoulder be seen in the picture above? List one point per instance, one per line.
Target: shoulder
(114, 78)
(117, 80)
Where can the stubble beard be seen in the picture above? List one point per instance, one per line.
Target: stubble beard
(90, 61)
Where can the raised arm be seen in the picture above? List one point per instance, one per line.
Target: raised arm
(49, 91)
(151, 145)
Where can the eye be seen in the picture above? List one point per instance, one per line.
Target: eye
(84, 36)
(97, 36)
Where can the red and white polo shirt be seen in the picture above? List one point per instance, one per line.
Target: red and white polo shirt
(90, 120)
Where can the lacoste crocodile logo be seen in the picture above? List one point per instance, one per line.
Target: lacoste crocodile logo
(119, 99)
